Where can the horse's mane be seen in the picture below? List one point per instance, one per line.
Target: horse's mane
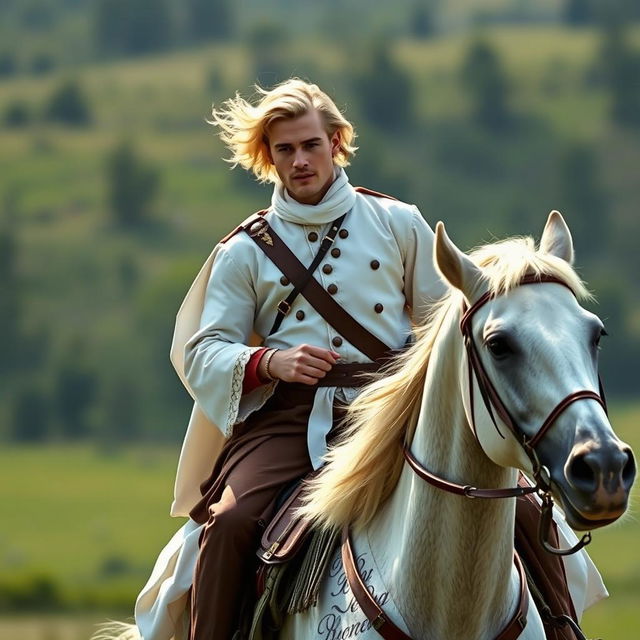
(365, 465)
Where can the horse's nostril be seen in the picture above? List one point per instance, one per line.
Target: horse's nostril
(581, 475)
(629, 470)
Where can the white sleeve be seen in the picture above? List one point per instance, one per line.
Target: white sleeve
(216, 356)
(422, 282)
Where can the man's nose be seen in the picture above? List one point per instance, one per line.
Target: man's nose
(300, 159)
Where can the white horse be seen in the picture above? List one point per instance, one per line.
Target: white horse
(440, 565)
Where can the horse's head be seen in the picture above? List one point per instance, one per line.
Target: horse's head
(538, 348)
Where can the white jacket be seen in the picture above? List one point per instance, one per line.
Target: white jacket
(386, 259)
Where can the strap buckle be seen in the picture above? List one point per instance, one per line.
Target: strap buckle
(283, 307)
(379, 621)
(522, 620)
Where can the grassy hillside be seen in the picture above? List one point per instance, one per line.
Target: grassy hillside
(92, 523)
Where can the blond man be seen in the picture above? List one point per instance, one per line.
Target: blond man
(263, 413)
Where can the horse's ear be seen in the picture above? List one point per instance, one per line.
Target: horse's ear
(556, 238)
(457, 268)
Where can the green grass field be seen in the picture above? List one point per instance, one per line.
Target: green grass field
(93, 523)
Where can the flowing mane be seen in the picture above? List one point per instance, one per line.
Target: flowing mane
(364, 467)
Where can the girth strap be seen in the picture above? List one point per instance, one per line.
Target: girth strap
(388, 630)
(345, 324)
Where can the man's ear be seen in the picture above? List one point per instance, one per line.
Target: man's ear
(336, 139)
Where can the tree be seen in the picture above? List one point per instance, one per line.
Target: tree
(384, 90)
(621, 69)
(132, 26)
(17, 114)
(422, 20)
(579, 12)
(487, 86)
(210, 19)
(132, 186)
(583, 198)
(31, 413)
(69, 105)
(267, 43)
(11, 307)
(74, 391)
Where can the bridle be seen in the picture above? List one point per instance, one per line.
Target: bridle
(495, 405)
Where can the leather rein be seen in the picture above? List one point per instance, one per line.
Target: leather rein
(379, 621)
(494, 404)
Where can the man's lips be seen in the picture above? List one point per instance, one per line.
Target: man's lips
(303, 176)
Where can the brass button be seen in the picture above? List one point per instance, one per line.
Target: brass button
(378, 308)
(327, 268)
(337, 341)
(313, 236)
(284, 281)
(375, 264)
(343, 233)
(335, 252)
(300, 314)
(332, 288)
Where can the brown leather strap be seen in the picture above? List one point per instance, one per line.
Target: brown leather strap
(519, 619)
(369, 606)
(375, 194)
(245, 224)
(390, 631)
(348, 327)
(560, 407)
(463, 490)
(348, 374)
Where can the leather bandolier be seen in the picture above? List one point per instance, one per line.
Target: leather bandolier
(286, 536)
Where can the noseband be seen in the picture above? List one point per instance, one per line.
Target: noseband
(494, 404)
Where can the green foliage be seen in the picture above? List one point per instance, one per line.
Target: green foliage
(384, 90)
(132, 26)
(579, 12)
(487, 86)
(580, 191)
(210, 19)
(17, 114)
(267, 43)
(8, 64)
(69, 105)
(133, 185)
(31, 415)
(74, 390)
(621, 68)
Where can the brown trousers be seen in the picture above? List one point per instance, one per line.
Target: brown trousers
(265, 453)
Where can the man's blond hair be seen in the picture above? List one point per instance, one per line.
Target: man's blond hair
(244, 127)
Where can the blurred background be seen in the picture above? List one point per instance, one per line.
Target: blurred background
(487, 114)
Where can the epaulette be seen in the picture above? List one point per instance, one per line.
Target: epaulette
(375, 194)
(245, 224)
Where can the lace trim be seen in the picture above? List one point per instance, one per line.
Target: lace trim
(236, 389)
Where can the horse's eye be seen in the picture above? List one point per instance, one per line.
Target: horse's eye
(499, 347)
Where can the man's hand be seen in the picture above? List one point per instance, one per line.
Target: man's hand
(306, 364)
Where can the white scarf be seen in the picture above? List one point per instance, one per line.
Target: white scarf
(339, 199)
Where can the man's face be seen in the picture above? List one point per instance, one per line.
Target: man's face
(302, 155)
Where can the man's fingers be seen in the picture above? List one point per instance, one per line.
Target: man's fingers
(317, 363)
(324, 354)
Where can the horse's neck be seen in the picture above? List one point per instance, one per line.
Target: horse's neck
(447, 558)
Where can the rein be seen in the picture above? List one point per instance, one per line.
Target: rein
(494, 403)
